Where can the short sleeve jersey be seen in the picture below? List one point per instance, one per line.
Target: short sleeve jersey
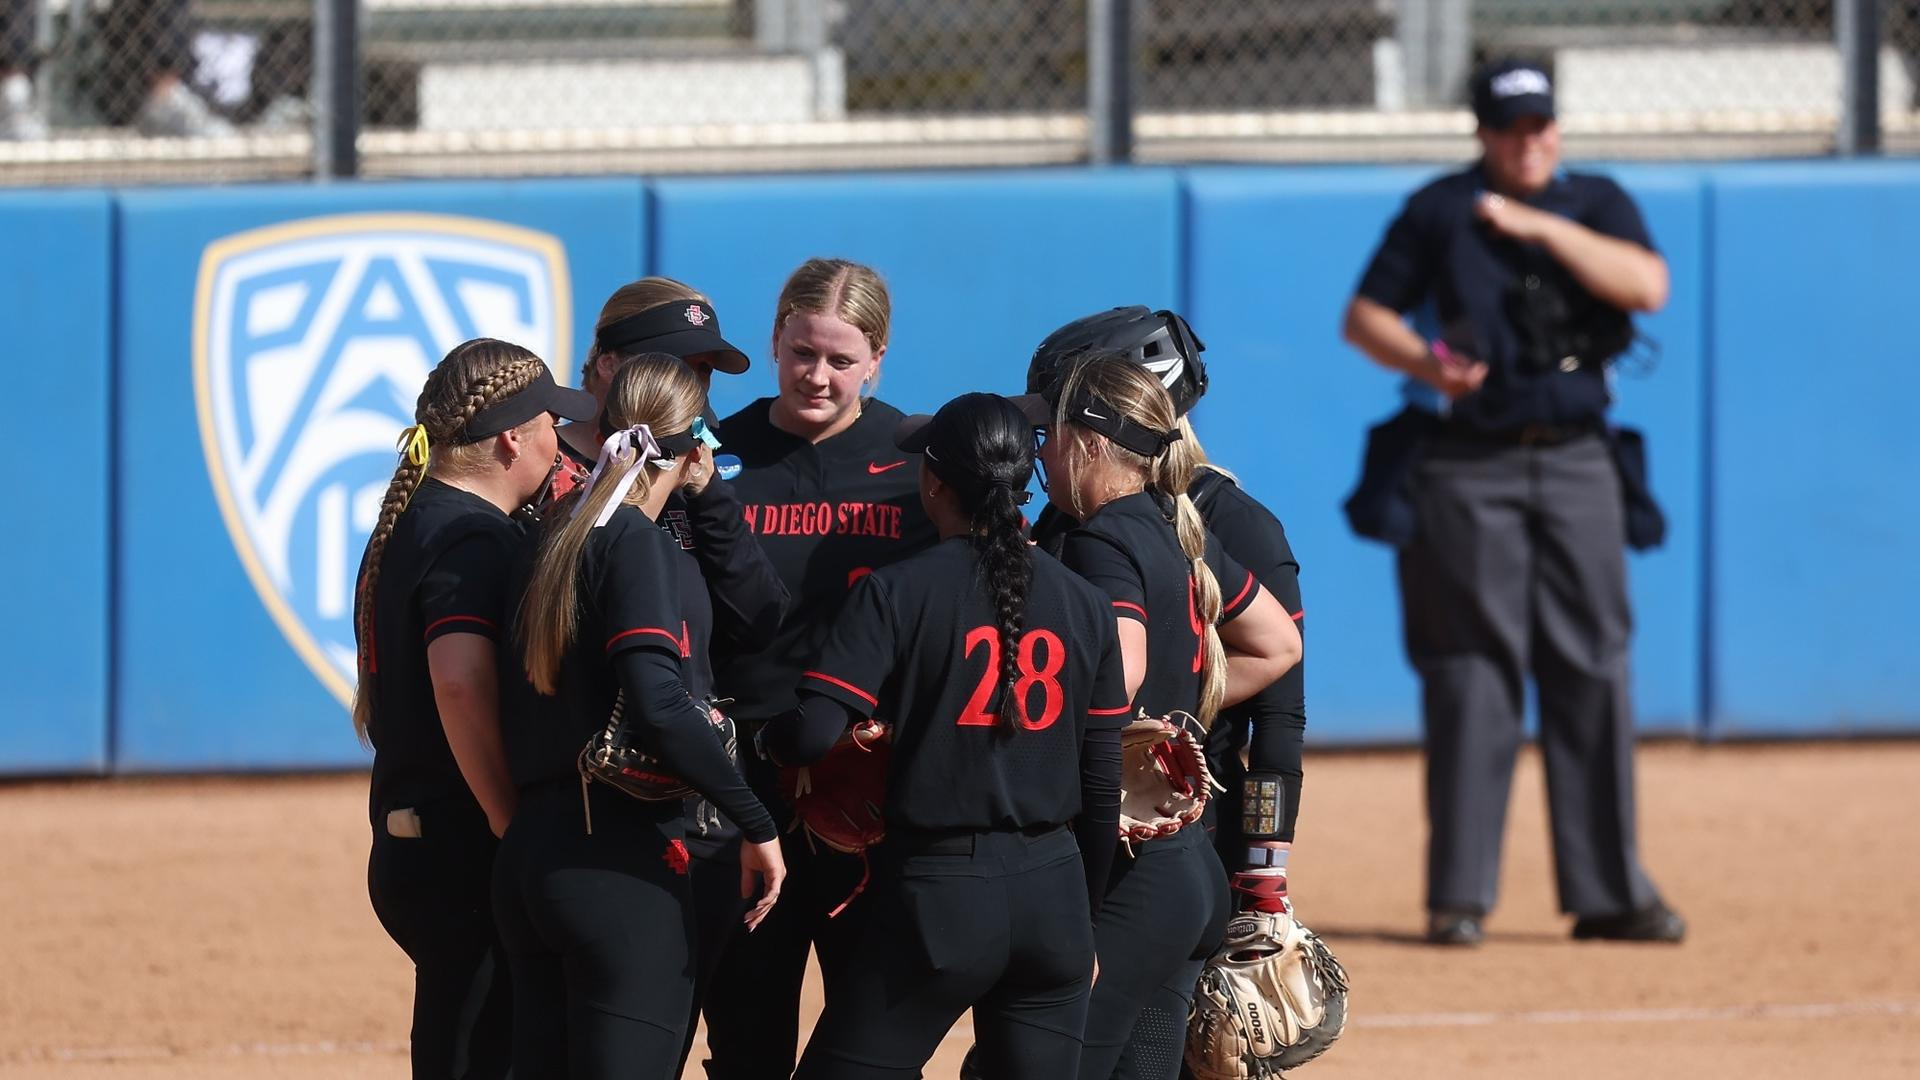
(827, 514)
(443, 571)
(1130, 552)
(635, 592)
(1438, 251)
(917, 646)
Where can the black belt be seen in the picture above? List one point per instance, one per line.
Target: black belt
(953, 841)
(1525, 434)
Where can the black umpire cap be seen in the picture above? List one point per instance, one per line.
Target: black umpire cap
(1507, 90)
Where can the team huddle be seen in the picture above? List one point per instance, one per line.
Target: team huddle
(662, 703)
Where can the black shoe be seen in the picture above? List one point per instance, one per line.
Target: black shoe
(1454, 928)
(1657, 922)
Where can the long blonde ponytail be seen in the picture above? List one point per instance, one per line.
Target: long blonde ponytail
(652, 389)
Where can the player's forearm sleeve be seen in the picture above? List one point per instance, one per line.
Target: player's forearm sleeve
(804, 735)
(672, 726)
(749, 599)
(1098, 826)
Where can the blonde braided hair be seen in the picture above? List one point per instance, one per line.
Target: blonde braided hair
(474, 375)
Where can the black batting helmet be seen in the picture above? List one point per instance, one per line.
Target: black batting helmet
(1159, 341)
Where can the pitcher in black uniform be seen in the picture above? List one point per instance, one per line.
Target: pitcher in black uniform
(661, 316)
(429, 616)
(1181, 604)
(999, 671)
(1270, 727)
(591, 886)
(830, 499)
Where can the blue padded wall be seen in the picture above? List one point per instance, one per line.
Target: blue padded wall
(55, 294)
(1816, 510)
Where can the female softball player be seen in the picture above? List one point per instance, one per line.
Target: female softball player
(1252, 818)
(651, 317)
(427, 619)
(999, 672)
(590, 888)
(830, 498)
(1115, 463)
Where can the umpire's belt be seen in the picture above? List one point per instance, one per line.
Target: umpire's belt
(1524, 435)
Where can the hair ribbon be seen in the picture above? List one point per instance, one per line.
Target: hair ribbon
(629, 450)
(414, 445)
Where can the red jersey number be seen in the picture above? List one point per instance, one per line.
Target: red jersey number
(1035, 670)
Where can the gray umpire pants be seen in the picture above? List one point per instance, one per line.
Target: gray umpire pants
(1519, 567)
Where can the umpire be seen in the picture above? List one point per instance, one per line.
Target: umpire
(1516, 564)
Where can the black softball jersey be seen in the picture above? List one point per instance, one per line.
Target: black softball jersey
(1129, 551)
(644, 621)
(444, 571)
(826, 514)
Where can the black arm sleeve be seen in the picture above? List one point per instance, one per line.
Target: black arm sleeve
(748, 596)
(804, 735)
(1278, 714)
(671, 725)
(1098, 827)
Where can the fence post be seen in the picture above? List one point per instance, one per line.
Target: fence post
(1856, 31)
(336, 88)
(1110, 81)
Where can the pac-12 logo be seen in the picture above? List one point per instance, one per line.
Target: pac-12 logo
(311, 342)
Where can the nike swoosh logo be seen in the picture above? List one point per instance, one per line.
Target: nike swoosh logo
(874, 468)
(1091, 415)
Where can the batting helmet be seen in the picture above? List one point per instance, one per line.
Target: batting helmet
(1159, 341)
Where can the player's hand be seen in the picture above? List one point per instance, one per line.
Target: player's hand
(763, 862)
(1512, 218)
(1261, 890)
(694, 480)
(866, 734)
(1453, 374)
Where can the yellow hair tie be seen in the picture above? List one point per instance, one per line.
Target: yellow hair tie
(413, 443)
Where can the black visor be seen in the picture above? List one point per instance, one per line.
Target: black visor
(543, 395)
(682, 328)
(1089, 411)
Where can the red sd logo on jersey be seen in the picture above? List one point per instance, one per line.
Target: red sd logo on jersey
(311, 341)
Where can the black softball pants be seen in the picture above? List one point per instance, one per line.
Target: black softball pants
(599, 932)
(718, 908)
(993, 921)
(433, 895)
(1164, 913)
(752, 1001)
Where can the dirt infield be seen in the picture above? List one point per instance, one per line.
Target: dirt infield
(220, 928)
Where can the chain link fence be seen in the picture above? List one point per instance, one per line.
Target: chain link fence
(127, 90)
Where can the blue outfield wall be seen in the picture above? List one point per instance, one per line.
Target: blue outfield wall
(253, 353)
(56, 307)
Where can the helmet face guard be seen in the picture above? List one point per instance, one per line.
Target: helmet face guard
(1160, 341)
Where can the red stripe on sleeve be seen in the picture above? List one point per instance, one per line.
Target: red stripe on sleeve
(1121, 711)
(1244, 590)
(1132, 607)
(1301, 614)
(438, 623)
(842, 684)
(675, 638)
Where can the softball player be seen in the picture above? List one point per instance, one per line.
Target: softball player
(999, 673)
(1252, 818)
(1115, 463)
(830, 498)
(593, 900)
(427, 619)
(651, 317)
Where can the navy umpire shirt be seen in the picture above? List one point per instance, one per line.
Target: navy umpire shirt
(1438, 250)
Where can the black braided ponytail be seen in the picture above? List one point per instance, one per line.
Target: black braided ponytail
(985, 454)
